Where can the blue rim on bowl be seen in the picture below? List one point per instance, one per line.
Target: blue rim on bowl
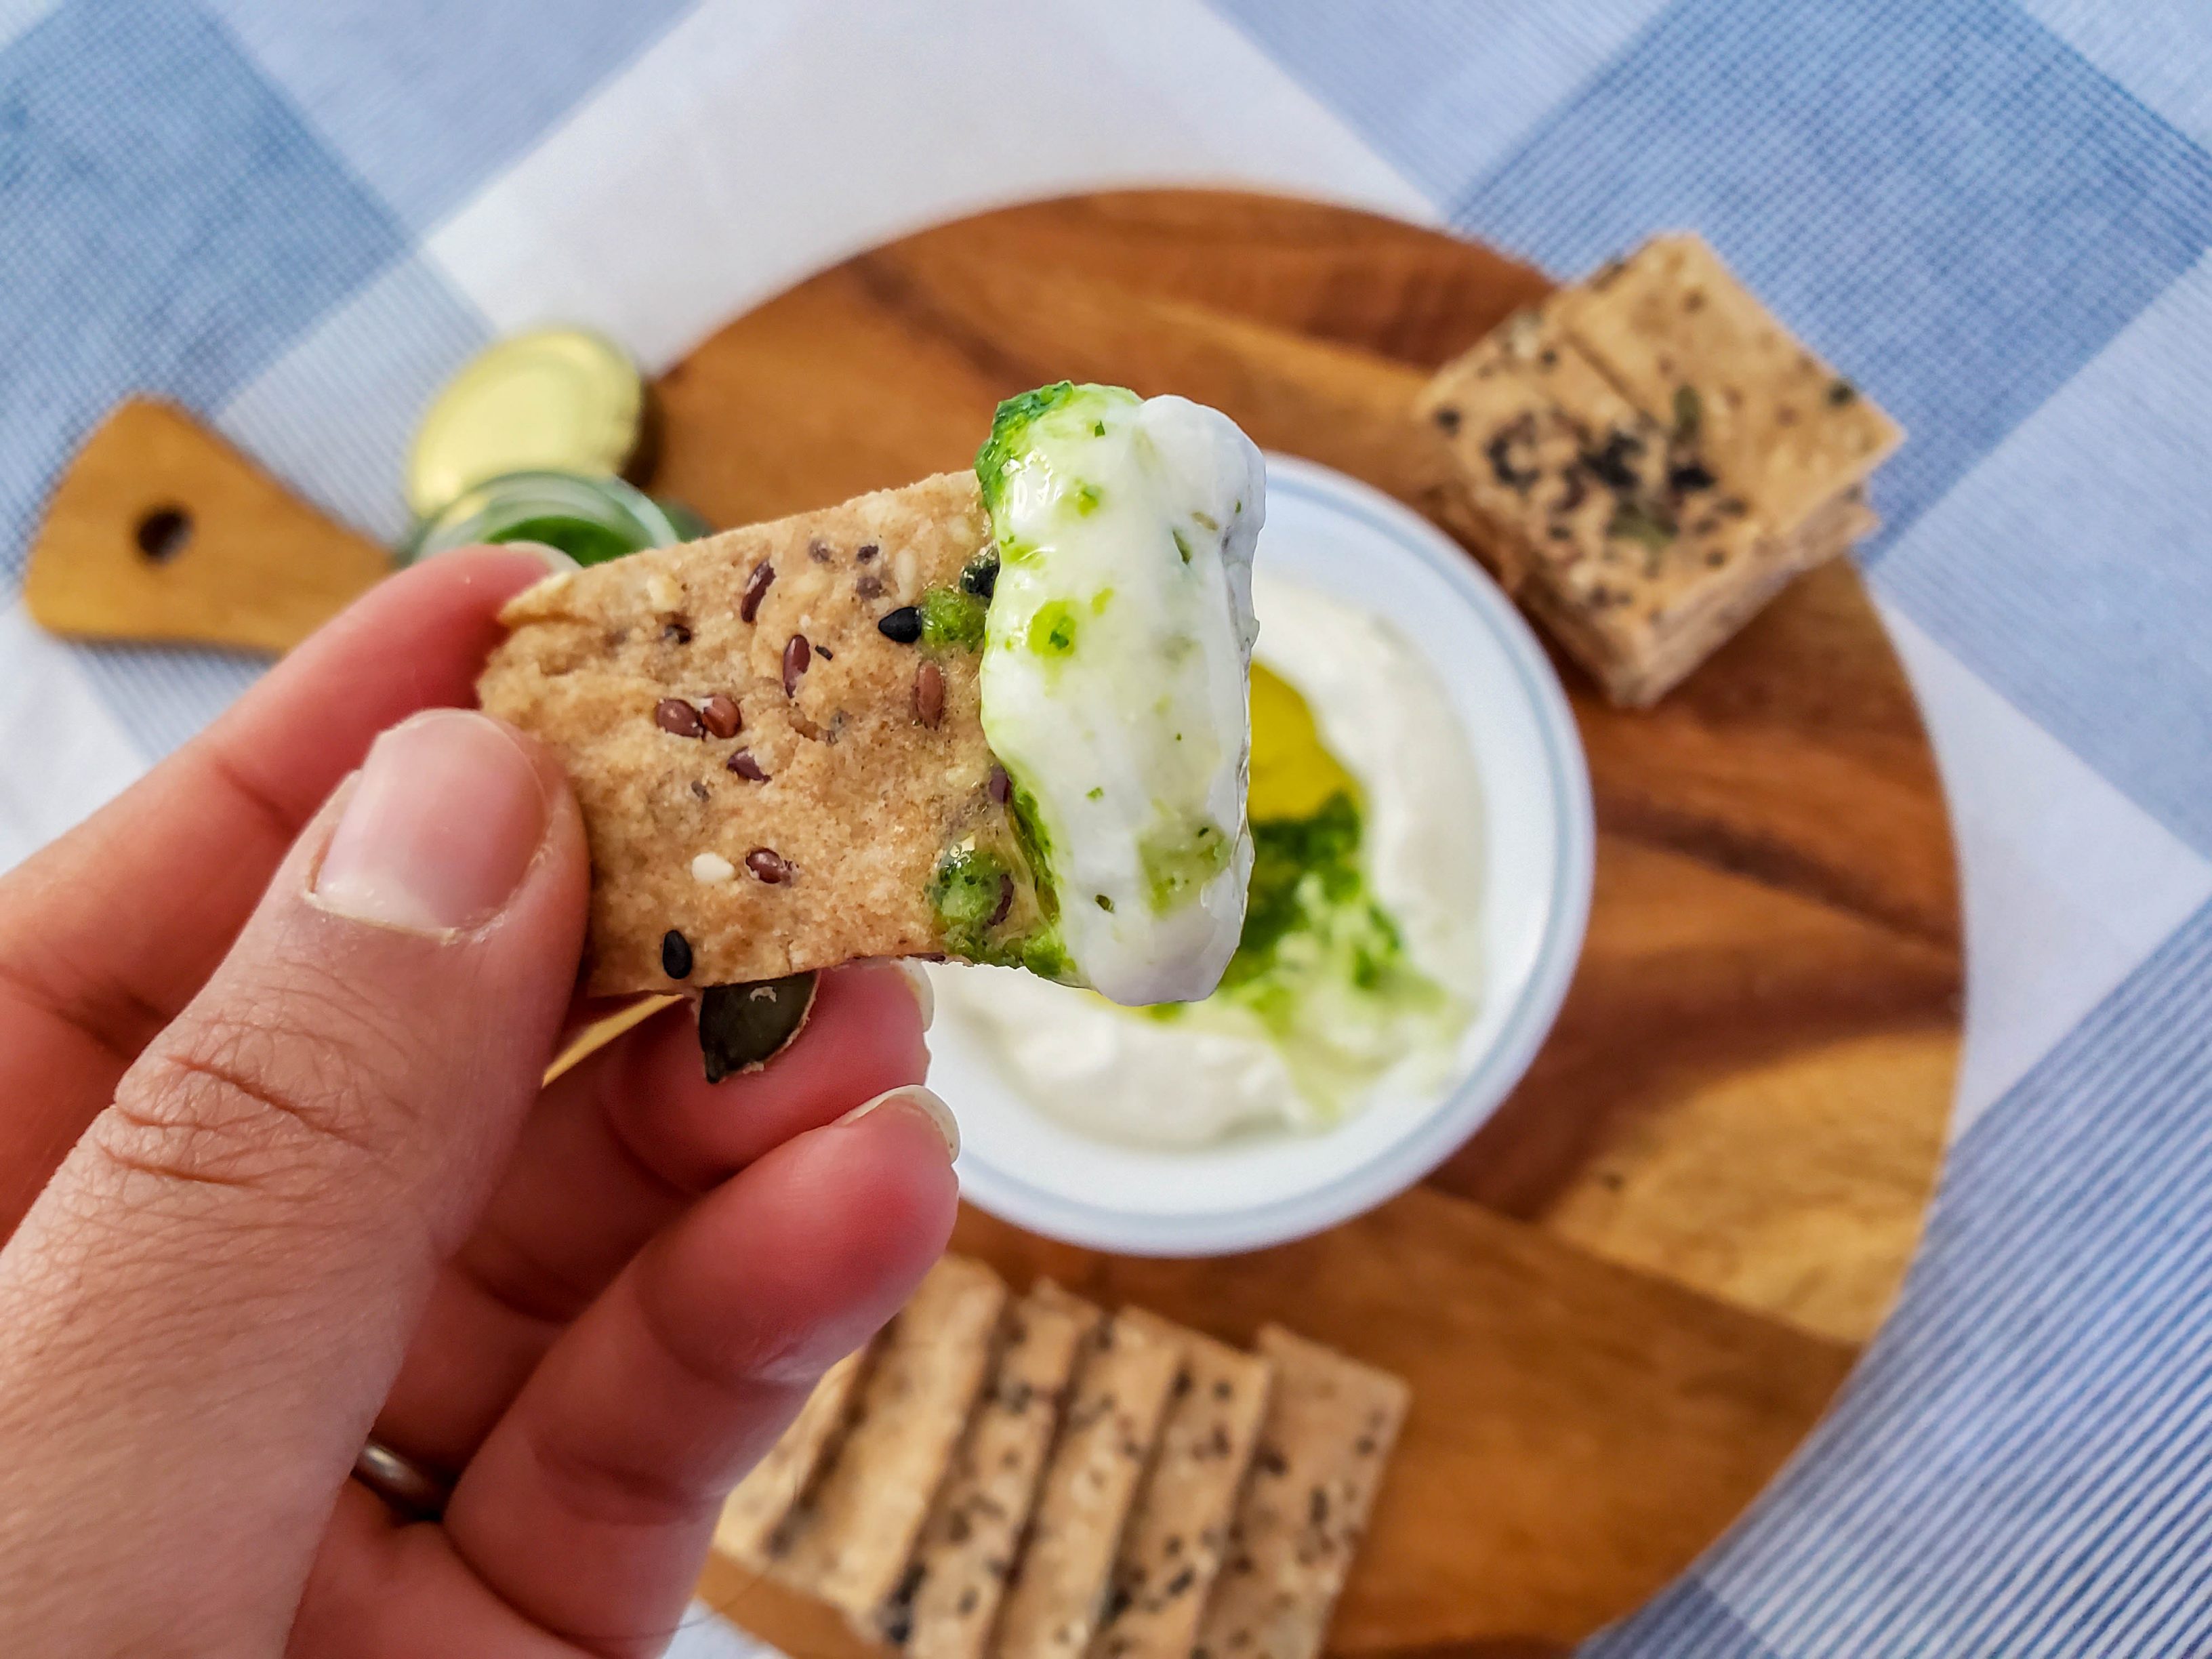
(1010, 1172)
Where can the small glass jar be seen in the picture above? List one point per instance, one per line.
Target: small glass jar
(590, 520)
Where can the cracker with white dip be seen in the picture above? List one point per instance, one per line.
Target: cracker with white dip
(1002, 721)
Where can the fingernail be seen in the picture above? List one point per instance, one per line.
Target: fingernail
(555, 560)
(918, 1099)
(447, 815)
(917, 979)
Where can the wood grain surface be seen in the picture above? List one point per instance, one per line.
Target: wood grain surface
(1629, 1298)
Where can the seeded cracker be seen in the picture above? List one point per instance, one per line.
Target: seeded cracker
(1328, 1431)
(849, 1542)
(949, 1600)
(1782, 425)
(1178, 1535)
(1113, 1421)
(767, 776)
(1647, 458)
(752, 1513)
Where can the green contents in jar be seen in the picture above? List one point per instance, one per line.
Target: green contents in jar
(580, 539)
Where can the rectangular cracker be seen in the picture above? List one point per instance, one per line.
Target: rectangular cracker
(1178, 1535)
(1106, 1441)
(752, 1513)
(1576, 481)
(1784, 429)
(949, 1597)
(861, 795)
(1330, 1428)
(849, 1543)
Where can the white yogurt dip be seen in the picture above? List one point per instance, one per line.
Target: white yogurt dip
(1294, 1039)
(1113, 675)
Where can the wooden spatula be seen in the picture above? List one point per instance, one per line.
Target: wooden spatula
(160, 530)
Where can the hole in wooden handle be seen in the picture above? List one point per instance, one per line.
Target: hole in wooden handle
(163, 533)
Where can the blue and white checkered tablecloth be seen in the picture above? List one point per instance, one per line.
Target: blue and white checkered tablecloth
(1993, 214)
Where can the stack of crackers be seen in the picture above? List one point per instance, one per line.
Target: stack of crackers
(1647, 458)
(1030, 1475)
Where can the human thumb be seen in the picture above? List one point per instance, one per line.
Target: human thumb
(207, 1305)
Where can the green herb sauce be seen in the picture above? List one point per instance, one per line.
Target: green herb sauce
(952, 618)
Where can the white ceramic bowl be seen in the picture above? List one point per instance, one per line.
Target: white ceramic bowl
(1330, 532)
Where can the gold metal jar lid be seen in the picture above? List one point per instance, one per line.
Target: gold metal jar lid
(556, 399)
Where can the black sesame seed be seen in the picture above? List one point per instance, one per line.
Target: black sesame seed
(1448, 418)
(675, 955)
(1610, 462)
(1500, 449)
(902, 626)
(980, 578)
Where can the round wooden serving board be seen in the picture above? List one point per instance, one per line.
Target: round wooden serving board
(1625, 1302)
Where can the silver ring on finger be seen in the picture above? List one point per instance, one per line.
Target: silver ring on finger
(406, 1487)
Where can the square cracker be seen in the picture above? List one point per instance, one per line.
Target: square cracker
(1178, 1535)
(1783, 428)
(1609, 509)
(1105, 1445)
(862, 796)
(774, 1486)
(849, 1542)
(949, 1599)
(1328, 1431)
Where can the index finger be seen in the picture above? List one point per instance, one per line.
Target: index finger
(106, 934)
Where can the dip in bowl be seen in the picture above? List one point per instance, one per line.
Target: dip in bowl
(1421, 817)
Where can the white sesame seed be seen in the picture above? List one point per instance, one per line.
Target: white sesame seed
(908, 569)
(712, 868)
(661, 592)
